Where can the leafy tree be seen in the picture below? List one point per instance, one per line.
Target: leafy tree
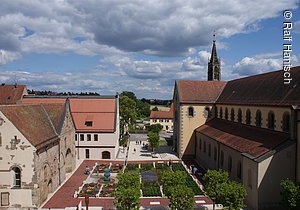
(171, 179)
(129, 94)
(213, 179)
(128, 191)
(143, 109)
(155, 128)
(182, 198)
(232, 194)
(290, 194)
(155, 108)
(153, 139)
(127, 112)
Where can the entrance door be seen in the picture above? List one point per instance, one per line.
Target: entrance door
(105, 155)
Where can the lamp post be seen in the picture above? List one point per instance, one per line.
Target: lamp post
(87, 200)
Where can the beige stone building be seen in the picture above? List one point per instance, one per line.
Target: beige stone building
(254, 135)
(193, 102)
(165, 118)
(37, 149)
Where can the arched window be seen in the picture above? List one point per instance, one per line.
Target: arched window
(240, 116)
(271, 120)
(258, 118)
(222, 159)
(45, 173)
(17, 177)
(191, 111)
(106, 155)
(239, 170)
(221, 112)
(216, 112)
(229, 164)
(232, 115)
(226, 113)
(207, 109)
(286, 122)
(248, 117)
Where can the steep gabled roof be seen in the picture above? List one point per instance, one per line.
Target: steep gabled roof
(11, 94)
(162, 114)
(199, 91)
(247, 139)
(263, 89)
(34, 121)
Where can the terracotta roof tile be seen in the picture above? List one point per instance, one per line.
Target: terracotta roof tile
(263, 89)
(101, 122)
(32, 121)
(199, 91)
(56, 113)
(31, 100)
(162, 114)
(243, 138)
(96, 105)
(11, 94)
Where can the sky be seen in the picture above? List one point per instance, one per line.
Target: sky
(110, 46)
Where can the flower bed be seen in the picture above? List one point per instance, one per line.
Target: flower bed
(132, 167)
(116, 168)
(146, 167)
(107, 190)
(99, 168)
(178, 167)
(190, 183)
(151, 189)
(90, 189)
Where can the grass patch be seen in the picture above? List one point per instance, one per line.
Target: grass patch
(151, 189)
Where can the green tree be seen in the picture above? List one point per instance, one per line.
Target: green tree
(290, 194)
(129, 94)
(155, 108)
(213, 179)
(128, 191)
(143, 109)
(155, 128)
(127, 112)
(182, 198)
(153, 139)
(171, 179)
(232, 194)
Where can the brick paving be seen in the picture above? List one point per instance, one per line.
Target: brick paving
(64, 197)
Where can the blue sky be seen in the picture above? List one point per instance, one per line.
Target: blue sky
(112, 46)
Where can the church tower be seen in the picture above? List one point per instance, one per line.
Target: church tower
(214, 64)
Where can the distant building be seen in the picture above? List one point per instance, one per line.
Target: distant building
(12, 94)
(165, 118)
(37, 149)
(96, 120)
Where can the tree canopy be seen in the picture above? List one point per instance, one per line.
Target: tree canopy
(290, 194)
(181, 198)
(155, 128)
(153, 139)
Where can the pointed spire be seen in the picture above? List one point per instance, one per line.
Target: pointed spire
(214, 49)
(214, 66)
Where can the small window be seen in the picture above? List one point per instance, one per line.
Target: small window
(248, 117)
(232, 115)
(240, 116)
(191, 111)
(226, 113)
(207, 109)
(239, 170)
(209, 150)
(89, 137)
(229, 164)
(285, 122)
(81, 137)
(87, 153)
(221, 113)
(258, 118)
(249, 180)
(216, 112)
(17, 177)
(76, 136)
(95, 137)
(89, 123)
(200, 144)
(4, 199)
(222, 159)
(215, 154)
(271, 120)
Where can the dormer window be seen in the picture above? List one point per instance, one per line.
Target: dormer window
(89, 123)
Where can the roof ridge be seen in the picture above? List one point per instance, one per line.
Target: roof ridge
(47, 114)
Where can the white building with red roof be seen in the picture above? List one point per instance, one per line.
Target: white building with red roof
(165, 118)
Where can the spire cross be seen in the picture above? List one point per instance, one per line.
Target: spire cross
(214, 36)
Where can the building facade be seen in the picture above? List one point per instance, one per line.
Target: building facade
(36, 151)
(165, 118)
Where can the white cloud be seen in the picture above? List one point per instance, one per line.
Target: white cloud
(6, 56)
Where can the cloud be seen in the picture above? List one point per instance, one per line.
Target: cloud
(6, 56)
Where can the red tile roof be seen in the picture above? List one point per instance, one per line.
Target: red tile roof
(243, 138)
(33, 121)
(101, 111)
(263, 89)
(162, 114)
(56, 114)
(11, 94)
(199, 91)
